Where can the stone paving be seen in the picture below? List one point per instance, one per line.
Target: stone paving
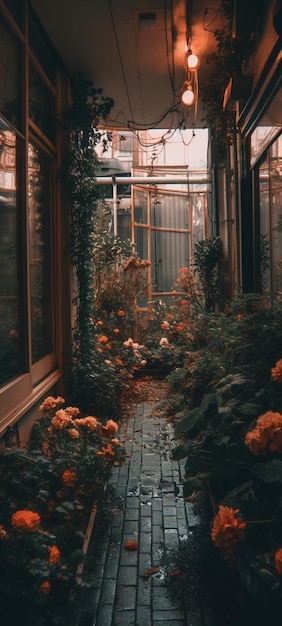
(150, 511)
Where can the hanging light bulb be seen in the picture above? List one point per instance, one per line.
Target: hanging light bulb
(192, 60)
(187, 95)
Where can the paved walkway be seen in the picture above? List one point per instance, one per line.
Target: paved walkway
(150, 511)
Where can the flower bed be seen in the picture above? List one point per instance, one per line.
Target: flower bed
(47, 494)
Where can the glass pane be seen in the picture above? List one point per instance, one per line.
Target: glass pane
(141, 242)
(9, 75)
(39, 46)
(169, 211)
(276, 216)
(264, 225)
(42, 106)
(10, 353)
(198, 217)
(16, 9)
(39, 185)
(140, 215)
(170, 252)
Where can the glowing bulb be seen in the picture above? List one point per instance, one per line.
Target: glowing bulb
(192, 60)
(188, 95)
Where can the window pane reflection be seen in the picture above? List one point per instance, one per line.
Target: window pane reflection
(39, 243)
(10, 364)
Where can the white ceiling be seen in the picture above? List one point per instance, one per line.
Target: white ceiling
(135, 51)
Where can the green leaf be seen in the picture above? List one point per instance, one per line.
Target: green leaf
(269, 472)
(181, 452)
(189, 421)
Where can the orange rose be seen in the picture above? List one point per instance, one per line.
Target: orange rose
(228, 528)
(26, 520)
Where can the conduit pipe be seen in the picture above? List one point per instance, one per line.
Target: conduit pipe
(145, 180)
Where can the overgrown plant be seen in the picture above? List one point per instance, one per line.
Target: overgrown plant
(207, 254)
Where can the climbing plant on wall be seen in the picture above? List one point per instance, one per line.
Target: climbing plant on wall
(89, 106)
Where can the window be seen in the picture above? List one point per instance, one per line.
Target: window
(11, 332)
(10, 96)
(270, 195)
(39, 186)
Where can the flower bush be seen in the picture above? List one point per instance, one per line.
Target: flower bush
(47, 492)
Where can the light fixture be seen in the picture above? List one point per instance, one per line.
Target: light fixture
(187, 95)
(192, 60)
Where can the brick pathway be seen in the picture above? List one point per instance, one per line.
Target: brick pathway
(150, 511)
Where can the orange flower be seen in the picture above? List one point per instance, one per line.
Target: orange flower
(50, 403)
(131, 545)
(267, 433)
(121, 313)
(116, 331)
(61, 419)
(256, 440)
(73, 433)
(100, 350)
(179, 327)
(109, 429)
(73, 411)
(54, 554)
(69, 478)
(119, 362)
(106, 450)
(278, 561)
(103, 339)
(228, 528)
(165, 325)
(3, 532)
(100, 323)
(26, 520)
(91, 422)
(276, 372)
(45, 587)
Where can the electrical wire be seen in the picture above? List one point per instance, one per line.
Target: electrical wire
(120, 59)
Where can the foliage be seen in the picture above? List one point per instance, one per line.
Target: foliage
(112, 356)
(207, 254)
(228, 424)
(198, 580)
(47, 493)
(226, 62)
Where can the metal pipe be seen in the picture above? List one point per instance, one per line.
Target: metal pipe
(150, 180)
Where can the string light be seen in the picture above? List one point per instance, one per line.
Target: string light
(192, 60)
(187, 95)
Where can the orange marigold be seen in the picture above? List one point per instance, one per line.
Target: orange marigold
(45, 587)
(54, 554)
(276, 372)
(278, 561)
(228, 528)
(69, 478)
(26, 520)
